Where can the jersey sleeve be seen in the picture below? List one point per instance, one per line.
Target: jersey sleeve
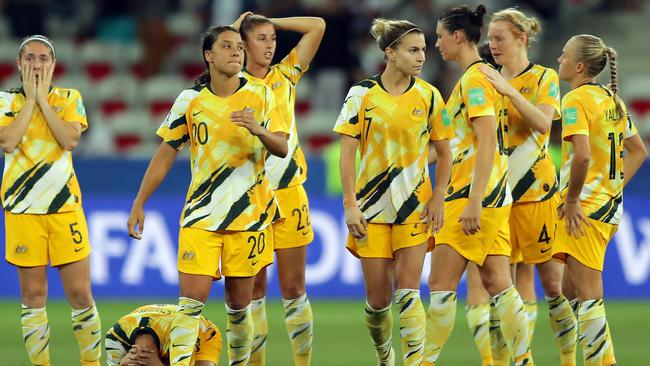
(173, 129)
(347, 122)
(440, 127)
(7, 114)
(290, 67)
(574, 117)
(630, 128)
(272, 119)
(549, 92)
(479, 96)
(74, 110)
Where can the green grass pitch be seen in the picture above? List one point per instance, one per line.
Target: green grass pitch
(340, 339)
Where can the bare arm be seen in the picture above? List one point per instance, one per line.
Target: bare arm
(635, 155)
(65, 133)
(275, 142)
(432, 156)
(11, 135)
(434, 210)
(579, 167)
(443, 166)
(485, 131)
(539, 118)
(312, 30)
(158, 168)
(357, 225)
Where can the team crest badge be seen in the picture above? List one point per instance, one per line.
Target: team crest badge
(21, 249)
(417, 112)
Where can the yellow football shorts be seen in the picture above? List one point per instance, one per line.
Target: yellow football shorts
(475, 247)
(33, 240)
(589, 249)
(295, 230)
(233, 254)
(383, 240)
(532, 230)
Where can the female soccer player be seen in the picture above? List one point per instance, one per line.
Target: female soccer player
(40, 125)
(230, 124)
(596, 131)
(286, 175)
(392, 118)
(478, 199)
(532, 102)
(142, 337)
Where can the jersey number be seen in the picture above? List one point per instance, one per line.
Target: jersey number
(300, 212)
(614, 153)
(200, 132)
(543, 236)
(257, 245)
(76, 234)
(500, 142)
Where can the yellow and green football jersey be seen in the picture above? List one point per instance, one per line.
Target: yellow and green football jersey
(283, 78)
(590, 110)
(474, 96)
(156, 320)
(532, 174)
(229, 190)
(393, 183)
(38, 175)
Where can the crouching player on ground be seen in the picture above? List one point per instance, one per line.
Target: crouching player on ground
(143, 338)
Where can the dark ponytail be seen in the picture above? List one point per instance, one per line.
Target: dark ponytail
(465, 19)
(207, 40)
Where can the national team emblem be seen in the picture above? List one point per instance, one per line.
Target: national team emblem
(417, 112)
(524, 90)
(21, 249)
(276, 85)
(187, 255)
(249, 109)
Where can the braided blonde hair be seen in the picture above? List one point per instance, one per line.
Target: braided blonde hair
(593, 52)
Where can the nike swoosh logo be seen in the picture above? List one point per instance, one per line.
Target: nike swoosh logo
(545, 250)
(77, 250)
(254, 263)
(369, 109)
(416, 234)
(196, 113)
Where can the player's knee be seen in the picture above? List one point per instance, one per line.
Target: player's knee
(80, 298)
(35, 297)
(552, 286)
(292, 290)
(379, 298)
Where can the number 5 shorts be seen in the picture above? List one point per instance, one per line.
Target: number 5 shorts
(295, 230)
(33, 240)
(231, 253)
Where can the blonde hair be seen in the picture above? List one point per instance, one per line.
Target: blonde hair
(389, 32)
(520, 23)
(593, 52)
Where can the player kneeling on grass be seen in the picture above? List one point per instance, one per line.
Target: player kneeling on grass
(143, 338)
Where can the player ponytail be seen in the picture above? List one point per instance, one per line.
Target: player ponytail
(465, 19)
(593, 52)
